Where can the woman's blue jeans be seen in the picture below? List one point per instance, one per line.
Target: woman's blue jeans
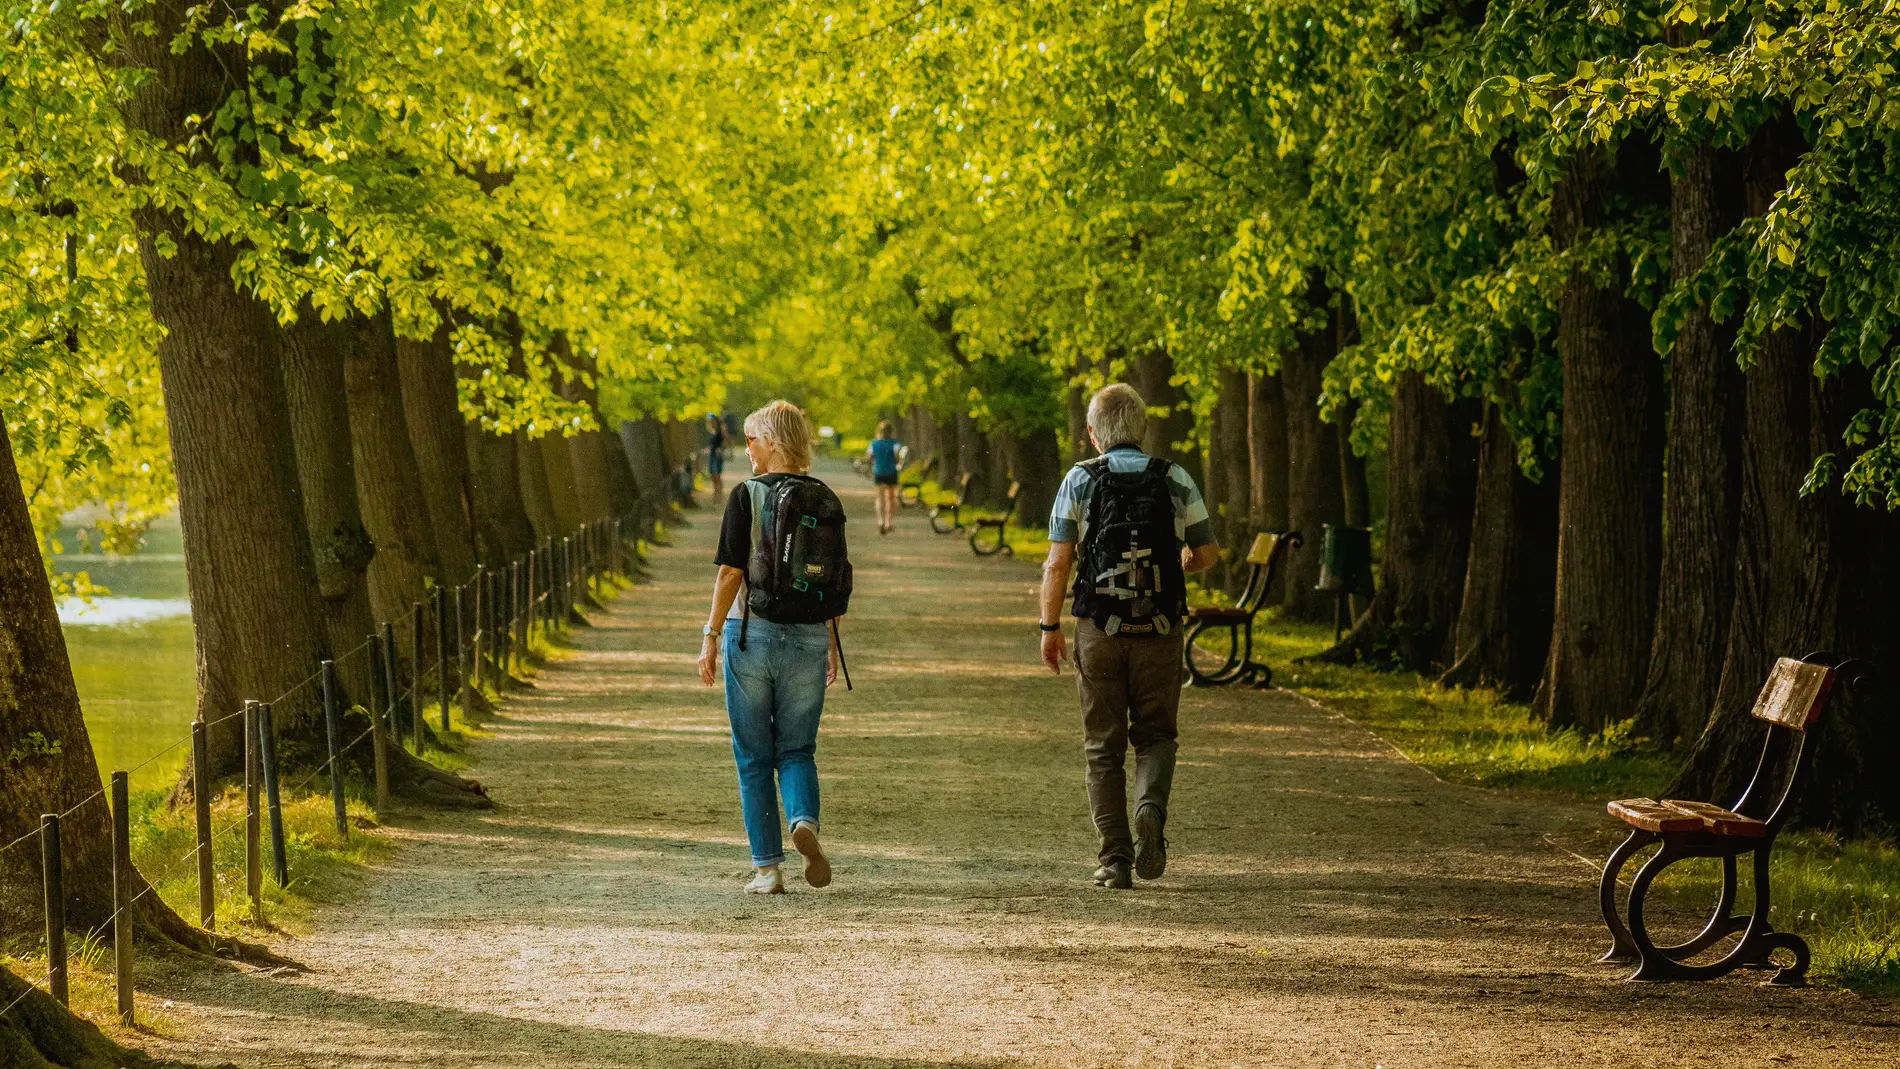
(775, 693)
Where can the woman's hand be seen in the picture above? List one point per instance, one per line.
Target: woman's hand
(709, 659)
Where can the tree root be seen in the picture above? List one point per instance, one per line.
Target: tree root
(420, 781)
(39, 1033)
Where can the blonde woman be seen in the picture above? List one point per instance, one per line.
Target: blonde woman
(886, 458)
(776, 669)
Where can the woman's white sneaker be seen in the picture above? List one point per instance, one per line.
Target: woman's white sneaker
(766, 881)
(805, 838)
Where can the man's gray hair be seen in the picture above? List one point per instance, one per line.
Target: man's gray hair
(1118, 416)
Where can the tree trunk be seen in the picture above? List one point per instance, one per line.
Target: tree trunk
(1431, 485)
(1504, 614)
(313, 354)
(563, 495)
(436, 437)
(586, 450)
(1355, 494)
(646, 455)
(1231, 448)
(502, 528)
(531, 466)
(1703, 492)
(993, 485)
(49, 767)
(1266, 452)
(1170, 419)
(950, 453)
(1039, 468)
(1076, 445)
(388, 485)
(1610, 492)
(973, 453)
(623, 493)
(1314, 494)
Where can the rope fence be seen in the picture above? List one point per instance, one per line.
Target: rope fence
(483, 632)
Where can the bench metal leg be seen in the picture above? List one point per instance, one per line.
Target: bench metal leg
(942, 525)
(976, 547)
(1622, 947)
(1758, 941)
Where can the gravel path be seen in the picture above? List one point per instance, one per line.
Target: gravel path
(1327, 902)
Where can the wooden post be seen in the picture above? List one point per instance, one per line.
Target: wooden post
(483, 636)
(441, 656)
(53, 884)
(516, 638)
(267, 729)
(378, 720)
(201, 809)
(122, 877)
(253, 846)
(333, 730)
(527, 605)
(463, 685)
(415, 685)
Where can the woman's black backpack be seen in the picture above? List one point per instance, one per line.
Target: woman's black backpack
(1129, 577)
(798, 573)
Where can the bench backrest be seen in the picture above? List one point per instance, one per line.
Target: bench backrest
(1265, 555)
(1795, 694)
(963, 486)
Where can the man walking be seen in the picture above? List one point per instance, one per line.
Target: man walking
(1137, 526)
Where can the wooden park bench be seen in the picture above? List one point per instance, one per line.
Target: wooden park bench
(1265, 560)
(1789, 704)
(999, 525)
(952, 508)
(914, 486)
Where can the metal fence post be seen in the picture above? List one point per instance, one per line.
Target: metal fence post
(122, 877)
(201, 809)
(53, 884)
(333, 730)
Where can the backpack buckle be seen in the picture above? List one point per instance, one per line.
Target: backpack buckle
(800, 585)
(808, 521)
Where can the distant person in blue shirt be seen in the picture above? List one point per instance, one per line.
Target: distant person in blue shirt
(886, 459)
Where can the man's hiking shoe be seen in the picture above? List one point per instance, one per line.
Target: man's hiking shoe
(1114, 876)
(766, 881)
(1151, 850)
(817, 869)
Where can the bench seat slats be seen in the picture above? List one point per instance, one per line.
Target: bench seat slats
(1720, 821)
(1651, 815)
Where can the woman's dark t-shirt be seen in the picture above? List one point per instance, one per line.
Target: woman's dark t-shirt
(735, 531)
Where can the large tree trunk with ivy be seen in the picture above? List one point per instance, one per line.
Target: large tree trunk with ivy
(388, 482)
(1703, 493)
(313, 353)
(1611, 488)
(436, 435)
(38, 1033)
(1504, 614)
(1431, 484)
(1314, 495)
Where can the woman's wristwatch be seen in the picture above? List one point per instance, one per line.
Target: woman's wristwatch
(707, 631)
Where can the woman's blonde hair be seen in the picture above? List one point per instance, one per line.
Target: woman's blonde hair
(885, 430)
(783, 424)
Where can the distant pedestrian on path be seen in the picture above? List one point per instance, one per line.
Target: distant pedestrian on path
(782, 540)
(715, 453)
(1138, 526)
(886, 459)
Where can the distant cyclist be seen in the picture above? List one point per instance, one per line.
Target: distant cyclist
(885, 462)
(715, 452)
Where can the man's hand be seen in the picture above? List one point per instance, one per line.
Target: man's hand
(1054, 649)
(708, 659)
(1199, 558)
(831, 663)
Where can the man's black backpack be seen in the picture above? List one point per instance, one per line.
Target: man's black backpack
(798, 573)
(1129, 578)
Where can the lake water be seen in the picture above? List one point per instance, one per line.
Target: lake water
(132, 655)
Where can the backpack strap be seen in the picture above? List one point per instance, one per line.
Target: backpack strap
(755, 496)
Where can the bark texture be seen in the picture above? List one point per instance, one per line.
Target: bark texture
(531, 467)
(1230, 455)
(1039, 468)
(1504, 613)
(39, 1033)
(1611, 489)
(586, 450)
(949, 450)
(502, 528)
(646, 454)
(1170, 420)
(1703, 496)
(1266, 452)
(437, 438)
(563, 495)
(388, 483)
(313, 353)
(1314, 494)
(1431, 486)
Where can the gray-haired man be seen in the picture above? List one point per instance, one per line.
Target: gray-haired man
(1138, 525)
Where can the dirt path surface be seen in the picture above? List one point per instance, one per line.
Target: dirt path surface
(1327, 902)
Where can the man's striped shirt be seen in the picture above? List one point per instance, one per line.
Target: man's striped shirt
(1068, 520)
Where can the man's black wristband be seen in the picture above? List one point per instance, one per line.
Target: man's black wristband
(1048, 627)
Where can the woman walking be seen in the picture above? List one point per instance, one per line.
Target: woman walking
(715, 452)
(776, 672)
(885, 462)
